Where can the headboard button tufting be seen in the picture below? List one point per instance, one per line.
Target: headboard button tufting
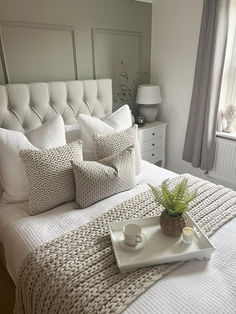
(59, 96)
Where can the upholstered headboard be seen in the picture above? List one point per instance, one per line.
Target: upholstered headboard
(24, 107)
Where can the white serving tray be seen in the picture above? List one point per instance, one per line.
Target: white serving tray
(158, 248)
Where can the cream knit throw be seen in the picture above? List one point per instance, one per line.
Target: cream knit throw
(77, 273)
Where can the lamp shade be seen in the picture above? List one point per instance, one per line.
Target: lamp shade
(148, 95)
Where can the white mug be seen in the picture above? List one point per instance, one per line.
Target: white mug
(132, 234)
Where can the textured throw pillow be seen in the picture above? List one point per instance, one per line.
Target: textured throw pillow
(50, 175)
(115, 142)
(12, 174)
(98, 180)
(117, 121)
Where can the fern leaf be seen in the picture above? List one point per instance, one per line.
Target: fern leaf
(174, 201)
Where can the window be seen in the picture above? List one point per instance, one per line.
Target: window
(228, 89)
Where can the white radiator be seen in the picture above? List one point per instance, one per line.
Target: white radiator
(225, 161)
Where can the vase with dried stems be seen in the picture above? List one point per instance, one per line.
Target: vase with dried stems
(175, 202)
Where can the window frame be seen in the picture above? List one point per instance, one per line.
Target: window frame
(228, 86)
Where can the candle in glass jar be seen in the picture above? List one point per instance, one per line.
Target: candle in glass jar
(188, 235)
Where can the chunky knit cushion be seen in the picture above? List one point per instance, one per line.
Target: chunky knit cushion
(98, 180)
(115, 142)
(50, 175)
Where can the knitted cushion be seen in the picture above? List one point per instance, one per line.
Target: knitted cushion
(50, 175)
(115, 142)
(98, 180)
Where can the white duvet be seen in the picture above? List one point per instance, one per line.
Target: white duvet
(196, 287)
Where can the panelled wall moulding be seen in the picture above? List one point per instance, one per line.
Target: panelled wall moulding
(4, 56)
(109, 31)
(3, 59)
(147, 1)
(118, 54)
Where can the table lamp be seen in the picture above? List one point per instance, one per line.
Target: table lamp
(148, 96)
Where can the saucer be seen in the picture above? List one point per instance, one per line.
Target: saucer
(128, 247)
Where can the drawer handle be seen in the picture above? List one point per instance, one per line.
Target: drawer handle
(153, 144)
(153, 154)
(153, 134)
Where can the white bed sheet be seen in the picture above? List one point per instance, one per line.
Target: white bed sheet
(197, 287)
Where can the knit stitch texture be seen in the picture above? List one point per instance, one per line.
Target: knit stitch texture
(77, 272)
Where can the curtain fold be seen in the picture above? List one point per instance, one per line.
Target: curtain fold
(199, 147)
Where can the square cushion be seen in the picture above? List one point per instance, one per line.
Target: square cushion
(98, 180)
(50, 175)
(115, 142)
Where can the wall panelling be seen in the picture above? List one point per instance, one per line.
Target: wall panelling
(38, 52)
(51, 40)
(117, 54)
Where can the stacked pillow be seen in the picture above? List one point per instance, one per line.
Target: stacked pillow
(89, 126)
(49, 135)
(98, 180)
(13, 179)
(112, 143)
(109, 142)
(50, 175)
(72, 132)
(49, 172)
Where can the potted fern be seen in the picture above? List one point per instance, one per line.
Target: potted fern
(175, 202)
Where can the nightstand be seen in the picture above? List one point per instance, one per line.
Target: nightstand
(152, 142)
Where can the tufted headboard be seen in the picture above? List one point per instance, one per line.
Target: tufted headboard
(24, 107)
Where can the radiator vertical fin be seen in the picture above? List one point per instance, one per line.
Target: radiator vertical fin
(225, 161)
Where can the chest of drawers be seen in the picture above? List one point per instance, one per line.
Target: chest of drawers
(152, 142)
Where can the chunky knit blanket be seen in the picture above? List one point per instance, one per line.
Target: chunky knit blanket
(77, 272)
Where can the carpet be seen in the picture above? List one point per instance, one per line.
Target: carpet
(7, 292)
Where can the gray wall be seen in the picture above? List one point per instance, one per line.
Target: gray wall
(42, 40)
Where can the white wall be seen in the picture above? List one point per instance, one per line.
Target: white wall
(175, 33)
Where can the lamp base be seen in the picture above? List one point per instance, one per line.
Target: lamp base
(149, 112)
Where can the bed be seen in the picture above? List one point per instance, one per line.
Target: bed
(196, 287)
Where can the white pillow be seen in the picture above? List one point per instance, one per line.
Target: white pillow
(89, 126)
(120, 119)
(115, 119)
(72, 132)
(12, 173)
(49, 135)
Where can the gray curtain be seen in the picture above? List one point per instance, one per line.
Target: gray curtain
(199, 147)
